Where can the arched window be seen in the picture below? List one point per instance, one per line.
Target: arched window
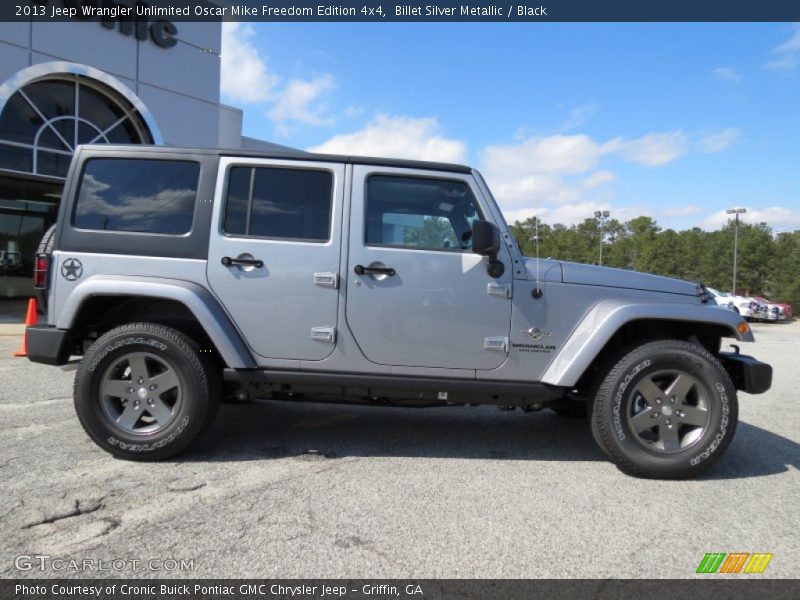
(43, 122)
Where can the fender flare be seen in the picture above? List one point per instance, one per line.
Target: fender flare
(605, 318)
(205, 308)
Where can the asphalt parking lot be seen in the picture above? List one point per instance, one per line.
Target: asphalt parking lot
(291, 490)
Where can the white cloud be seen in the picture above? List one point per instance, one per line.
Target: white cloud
(245, 77)
(580, 115)
(538, 168)
(353, 111)
(683, 211)
(566, 214)
(544, 169)
(557, 177)
(573, 213)
(779, 217)
(653, 149)
(512, 216)
(726, 74)
(294, 103)
(599, 178)
(569, 214)
(788, 53)
(398, 137)
(556, 154)
(717, 142)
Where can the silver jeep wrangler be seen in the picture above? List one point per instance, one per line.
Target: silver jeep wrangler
(178, 277)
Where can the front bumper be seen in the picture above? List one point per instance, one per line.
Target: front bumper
(48, 345)
(747, 373)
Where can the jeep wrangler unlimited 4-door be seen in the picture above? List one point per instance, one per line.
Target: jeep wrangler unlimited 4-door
(174, 277)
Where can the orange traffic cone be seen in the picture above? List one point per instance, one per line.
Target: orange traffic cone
(30, 319)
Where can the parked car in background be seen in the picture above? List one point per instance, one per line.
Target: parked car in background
(747, 307)
(761, 308)
(787, 309)
(775, 312)
(723, 299)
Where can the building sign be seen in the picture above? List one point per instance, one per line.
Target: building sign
(130, 20)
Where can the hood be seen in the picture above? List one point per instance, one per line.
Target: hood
(620, 278)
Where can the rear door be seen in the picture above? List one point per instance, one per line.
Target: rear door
(274, 253)
(436, 306)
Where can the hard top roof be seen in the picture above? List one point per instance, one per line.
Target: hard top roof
(281, 154)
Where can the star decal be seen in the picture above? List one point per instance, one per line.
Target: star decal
(71, 269)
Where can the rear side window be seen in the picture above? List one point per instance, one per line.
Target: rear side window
(279, 203)
(144, 196)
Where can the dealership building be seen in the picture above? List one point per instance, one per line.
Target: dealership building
(88, 82)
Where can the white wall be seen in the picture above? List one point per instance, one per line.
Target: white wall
(179, 85)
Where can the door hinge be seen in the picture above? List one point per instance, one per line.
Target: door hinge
(324, 334)
(496, 344)
(499, 290)
(328, 280)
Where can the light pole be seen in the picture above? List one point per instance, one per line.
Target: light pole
(737, 212)
(601, 215)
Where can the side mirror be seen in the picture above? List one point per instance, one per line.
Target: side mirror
(485, 238)
(486, 242)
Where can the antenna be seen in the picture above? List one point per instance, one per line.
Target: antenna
(537, 291)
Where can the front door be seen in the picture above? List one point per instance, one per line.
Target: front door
(416, 294)
(273, 258)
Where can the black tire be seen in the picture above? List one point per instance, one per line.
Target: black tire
(47, 241)
(195, 395)
(672, 448)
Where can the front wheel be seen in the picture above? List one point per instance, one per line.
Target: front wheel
(666, 410)
(143, 393)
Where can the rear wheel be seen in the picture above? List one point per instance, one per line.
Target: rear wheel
(142, 392)
(667, 410)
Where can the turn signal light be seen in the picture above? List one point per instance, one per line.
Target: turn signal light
(743, 328)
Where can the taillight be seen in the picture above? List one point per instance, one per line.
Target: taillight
(40, 271)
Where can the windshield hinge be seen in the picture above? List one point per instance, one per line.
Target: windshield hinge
(499, 290)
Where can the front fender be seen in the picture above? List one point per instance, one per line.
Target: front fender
(196, 298)
(605, 318)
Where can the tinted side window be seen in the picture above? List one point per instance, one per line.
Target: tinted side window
(146, 196)
(279, 203)
(238, 200)
(431, 214)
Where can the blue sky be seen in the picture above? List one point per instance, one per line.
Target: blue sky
(675, 121)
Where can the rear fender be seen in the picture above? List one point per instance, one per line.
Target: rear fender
(196, 298)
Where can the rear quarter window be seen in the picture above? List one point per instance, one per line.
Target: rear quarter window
(137, 195)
